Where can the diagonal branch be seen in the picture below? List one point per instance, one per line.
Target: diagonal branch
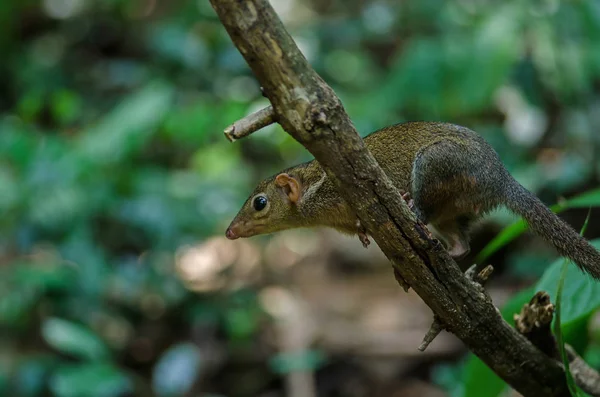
(309, 110)
(478, 279)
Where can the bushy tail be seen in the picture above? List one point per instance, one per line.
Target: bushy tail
(553, 229)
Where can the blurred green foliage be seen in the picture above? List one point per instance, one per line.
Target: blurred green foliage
(111, 158)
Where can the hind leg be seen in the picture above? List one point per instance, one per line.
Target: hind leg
(449, 180)
(449, 190)
(454, 234)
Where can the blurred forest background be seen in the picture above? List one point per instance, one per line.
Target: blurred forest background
(116, 186)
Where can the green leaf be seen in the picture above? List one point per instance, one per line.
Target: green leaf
(307, 360)
(60, 208)
(503, 238)
(66, 106)
(128, 126)
(558, 332)
(450, 377)
(17, 143)
(584, 200)
(592, 356)
(90, 380)
(30, 104)
(558, 314)
(74, 339)
(16, 305)
(46, 276)
(581, 295)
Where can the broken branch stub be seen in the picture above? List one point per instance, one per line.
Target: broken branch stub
(249, 124)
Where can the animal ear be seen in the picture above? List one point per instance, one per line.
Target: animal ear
(290, 186)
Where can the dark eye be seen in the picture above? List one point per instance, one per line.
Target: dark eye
(260, 203)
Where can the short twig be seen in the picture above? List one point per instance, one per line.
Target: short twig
(250, 124)
(437, 326)
(434, 331)
(482, 277)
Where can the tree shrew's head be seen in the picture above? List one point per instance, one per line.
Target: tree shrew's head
(271, 207)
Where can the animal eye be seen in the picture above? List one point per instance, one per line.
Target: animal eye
(260, 203)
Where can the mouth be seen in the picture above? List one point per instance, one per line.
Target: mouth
(237, 230)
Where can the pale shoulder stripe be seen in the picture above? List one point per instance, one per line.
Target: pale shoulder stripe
(315, 186)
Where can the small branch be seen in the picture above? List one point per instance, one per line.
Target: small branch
(587, 378)
(437, 326)
(534, 322)
(250, 124)
(434, 331)
(482, 277)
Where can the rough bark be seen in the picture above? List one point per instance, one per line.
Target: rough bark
(309, 110)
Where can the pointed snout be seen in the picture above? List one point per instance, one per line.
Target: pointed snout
(230, 233)
(239, 229)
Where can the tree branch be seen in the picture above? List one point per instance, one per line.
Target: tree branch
(586, 377)
(308, 109)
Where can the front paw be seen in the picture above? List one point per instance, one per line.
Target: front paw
(458, 248)
(409, 201)
(364, 239)
(362, 234)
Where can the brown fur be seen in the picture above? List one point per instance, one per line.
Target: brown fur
(453, 177)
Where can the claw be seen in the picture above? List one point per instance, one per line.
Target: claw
(459, 247)
(364, 239)
(406, 197)
(362, 234)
